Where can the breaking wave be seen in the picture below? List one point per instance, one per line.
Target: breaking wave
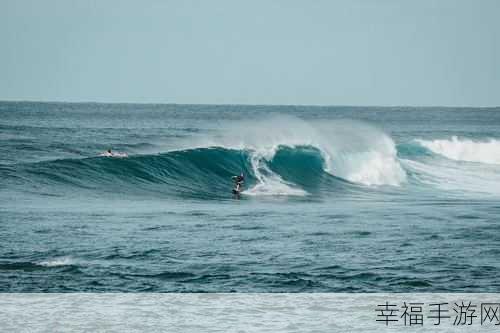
(350, 150)
(458, 164)
(461, 149)
(282, 156)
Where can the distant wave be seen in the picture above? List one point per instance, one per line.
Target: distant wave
(441, 164)
(32, 266)
(462, 149)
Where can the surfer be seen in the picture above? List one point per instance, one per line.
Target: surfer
(238, 183)
(110, 153)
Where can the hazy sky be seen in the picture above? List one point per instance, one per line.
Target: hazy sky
(373, 52)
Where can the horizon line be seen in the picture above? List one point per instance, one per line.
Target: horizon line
(247, 104)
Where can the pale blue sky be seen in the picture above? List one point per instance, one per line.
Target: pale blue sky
(352, 52)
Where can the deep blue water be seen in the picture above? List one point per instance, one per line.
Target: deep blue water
(336, 198)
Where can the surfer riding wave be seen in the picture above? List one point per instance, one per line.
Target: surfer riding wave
(238, 183)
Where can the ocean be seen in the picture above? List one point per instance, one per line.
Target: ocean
(335, 199)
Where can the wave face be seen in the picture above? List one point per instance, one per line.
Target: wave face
(199, 172)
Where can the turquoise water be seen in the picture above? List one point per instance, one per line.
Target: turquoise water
(361, 199)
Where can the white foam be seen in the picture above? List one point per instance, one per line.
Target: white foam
(113, 154)
(376, 169)
(362, 154)
(61, 261)
(268, 182)
(465, 149)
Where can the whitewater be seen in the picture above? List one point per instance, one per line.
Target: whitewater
(335, 198)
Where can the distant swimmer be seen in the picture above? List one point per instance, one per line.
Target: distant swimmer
(110, 153)
(238, 183)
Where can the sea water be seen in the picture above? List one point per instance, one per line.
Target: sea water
(336, 199)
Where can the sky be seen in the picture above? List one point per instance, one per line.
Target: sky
(351, 52)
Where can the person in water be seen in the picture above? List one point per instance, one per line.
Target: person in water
(110, 153)
(239, 180)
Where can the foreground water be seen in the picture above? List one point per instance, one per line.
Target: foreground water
(336, 198)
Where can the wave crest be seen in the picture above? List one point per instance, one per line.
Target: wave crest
(461, 149)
